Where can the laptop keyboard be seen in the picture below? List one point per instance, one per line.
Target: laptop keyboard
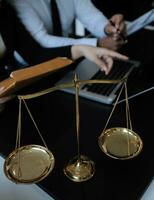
(103, 93)
(120, 70)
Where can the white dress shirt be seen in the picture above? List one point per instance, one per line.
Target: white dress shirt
(36, 16)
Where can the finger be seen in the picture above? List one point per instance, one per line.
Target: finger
(116, 37)
(119, 41)
(114, 54)
(122, 42)
(119, 24)
(109, 63)
(110, 29)
(116, 27)
(120, 31)
(122, 26)
(117, 20)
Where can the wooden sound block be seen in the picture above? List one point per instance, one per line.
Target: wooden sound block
(23, 77)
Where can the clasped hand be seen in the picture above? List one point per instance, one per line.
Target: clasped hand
(116, 33)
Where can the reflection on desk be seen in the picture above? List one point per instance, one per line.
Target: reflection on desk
(12, 191)
(149, 193)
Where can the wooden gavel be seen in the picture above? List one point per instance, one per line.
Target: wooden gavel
(23, 77)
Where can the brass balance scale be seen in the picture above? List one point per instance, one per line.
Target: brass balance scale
(32, 163)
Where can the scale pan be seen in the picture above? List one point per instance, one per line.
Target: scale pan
(120, 143)
(29, 164)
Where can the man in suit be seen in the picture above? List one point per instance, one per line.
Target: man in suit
(14, 37)
(40, 19)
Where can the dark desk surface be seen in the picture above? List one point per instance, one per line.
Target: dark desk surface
(55, 115)
(113, 179)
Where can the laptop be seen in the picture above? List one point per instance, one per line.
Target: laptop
(103, 93)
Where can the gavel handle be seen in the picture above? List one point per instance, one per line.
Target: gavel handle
(22, 77)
